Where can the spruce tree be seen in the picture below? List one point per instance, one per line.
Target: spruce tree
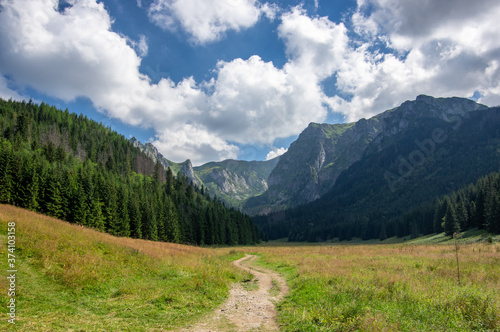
(439, 212)
(6, 173)
(451, 224)
(123, 219)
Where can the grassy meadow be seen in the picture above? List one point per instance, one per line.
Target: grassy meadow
(388, 287)
(74, 278)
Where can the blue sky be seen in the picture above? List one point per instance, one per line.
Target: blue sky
(216, 79)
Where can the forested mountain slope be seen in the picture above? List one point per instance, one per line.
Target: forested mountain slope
(235, 181)
(232, 181)
(313, 163)
(73, 168)
(392, 189)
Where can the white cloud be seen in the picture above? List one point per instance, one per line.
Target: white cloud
(206, 20)
(255, 102)
(142, 46)
(7, 93)
(196, 141)
(275, 152)
(440, 48)
(313, 44)
(250, 101)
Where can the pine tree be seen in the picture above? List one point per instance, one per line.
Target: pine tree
(135, 217)
(123, 222)
(492, 210)
(451, 224)
(171, 222)
(6, 172)
(439, 212)
(462, 215)
(109, 199)
(32, 200)
(479, 216)
(53, 199)
(170, 182)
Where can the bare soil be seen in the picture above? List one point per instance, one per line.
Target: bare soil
(247, 309)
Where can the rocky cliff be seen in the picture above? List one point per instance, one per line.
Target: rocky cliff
(314, 161)
(233, 181)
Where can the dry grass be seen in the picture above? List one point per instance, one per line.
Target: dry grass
(388, 287)
(75, 278)
(98, 281)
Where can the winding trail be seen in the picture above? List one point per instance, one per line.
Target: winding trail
(246, 309)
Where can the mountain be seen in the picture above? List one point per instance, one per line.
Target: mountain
(233, 181)
(152, 152)
(72, 168)
(313, 163)
(427, 148)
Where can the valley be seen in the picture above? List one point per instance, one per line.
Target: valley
(361, 217)
(98, 281)
(249, 166)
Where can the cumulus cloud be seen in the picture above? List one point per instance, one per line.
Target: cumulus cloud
(261, 102)
(275, 152)
(313, 44)
(439, 48)
(196, 141)
(75, 53)
(207, 20)
(6, 92)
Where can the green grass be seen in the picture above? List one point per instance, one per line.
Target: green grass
(72, 278)
(467, 237)
(388, 287)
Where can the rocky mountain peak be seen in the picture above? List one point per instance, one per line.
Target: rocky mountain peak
(314, 161)
(187, 169)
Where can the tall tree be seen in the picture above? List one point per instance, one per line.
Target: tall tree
(451, 224)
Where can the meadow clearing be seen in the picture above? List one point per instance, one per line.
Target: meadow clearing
(401, 287)
(74, 278)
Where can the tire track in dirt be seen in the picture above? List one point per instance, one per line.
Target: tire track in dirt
(247, 310)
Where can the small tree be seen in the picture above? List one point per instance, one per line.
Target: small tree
(451, 224)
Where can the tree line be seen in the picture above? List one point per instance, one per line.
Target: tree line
(73, 168)
(477, 206)
(362, 203)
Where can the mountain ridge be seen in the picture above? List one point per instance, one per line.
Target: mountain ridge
(391, 190)
(322, 152)
(233, 181)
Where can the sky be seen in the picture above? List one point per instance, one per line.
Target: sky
(209, 80)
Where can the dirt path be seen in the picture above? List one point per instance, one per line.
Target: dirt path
(249, 307)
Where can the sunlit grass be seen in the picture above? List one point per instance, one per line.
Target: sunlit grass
(76, 278)
(73, 278)
(388, 287)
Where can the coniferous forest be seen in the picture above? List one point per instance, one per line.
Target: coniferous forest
(475, 206)
(73, 168)
(453, 189)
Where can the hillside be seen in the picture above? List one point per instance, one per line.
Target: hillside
(232, 181)
(392, 189)
(313, 163)
(184, 168)
(235, 181)
(75, 169)
(75, 278)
